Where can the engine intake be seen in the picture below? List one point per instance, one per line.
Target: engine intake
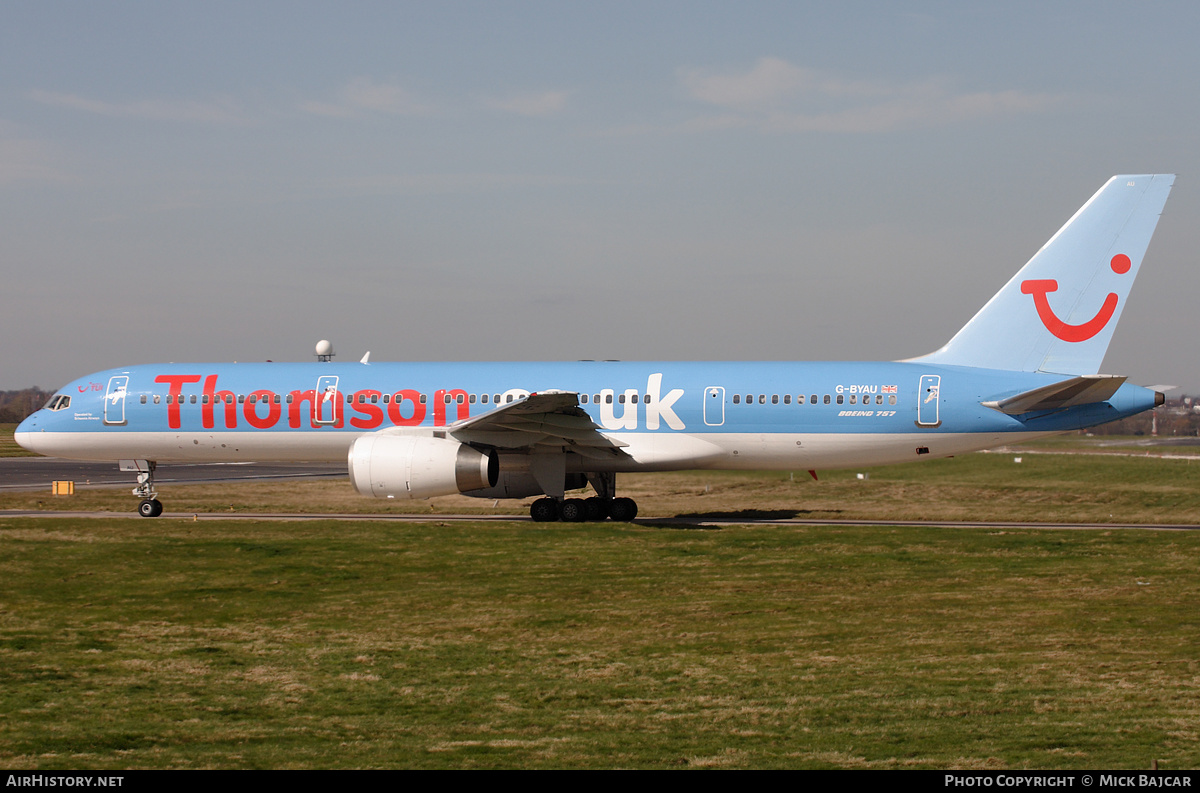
(411, 466)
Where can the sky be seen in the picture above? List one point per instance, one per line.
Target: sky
(217, 181)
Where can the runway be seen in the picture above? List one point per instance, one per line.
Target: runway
(664, 522)
(36, 473)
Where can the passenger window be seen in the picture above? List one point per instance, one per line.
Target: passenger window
(839, 399)
(879, 399)
(387, 398)
(827, 399)
(774, 399)
(892, 399)
(460, 399)
(508, 398)
(289, 399)
(787, 399)
(583, 398)
(242, 399)
(608, 399)
(749, 399)
(193, 399)
(621, 399)
(422, 399)
(853, 399)
(762, 399)
(737, 399)
(143, 399)
(799, 399)
(472, 399)
(814, 399)
(156, 399)
(496, 399)
(595, 399)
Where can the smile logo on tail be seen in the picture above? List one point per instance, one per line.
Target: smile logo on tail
(1039, 288)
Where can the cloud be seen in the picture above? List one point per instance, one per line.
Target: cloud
(777, 96)
(23, 160)
(546, 103)
(221, 111)
(441, 183)
(364, 95)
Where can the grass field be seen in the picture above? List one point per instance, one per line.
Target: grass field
(132, 643)
(169, 643)
(8, 446)
(1043, 487)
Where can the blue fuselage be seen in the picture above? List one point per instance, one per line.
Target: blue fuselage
(744, 414)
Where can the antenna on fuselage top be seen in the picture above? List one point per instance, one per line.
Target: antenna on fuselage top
(325, 351)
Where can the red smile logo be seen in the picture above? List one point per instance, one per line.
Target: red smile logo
(1039, 288)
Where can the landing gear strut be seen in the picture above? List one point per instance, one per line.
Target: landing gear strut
(150, 506)
(599, 507)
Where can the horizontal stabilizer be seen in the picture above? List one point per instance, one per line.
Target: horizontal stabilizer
(1083, 390)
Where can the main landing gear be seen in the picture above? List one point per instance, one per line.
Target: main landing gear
(149, 506)
(578, 510)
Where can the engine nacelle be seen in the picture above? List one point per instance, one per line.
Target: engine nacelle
(412, 466)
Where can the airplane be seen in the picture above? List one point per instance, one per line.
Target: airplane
(1025, 366)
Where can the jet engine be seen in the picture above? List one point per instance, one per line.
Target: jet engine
(411, 466)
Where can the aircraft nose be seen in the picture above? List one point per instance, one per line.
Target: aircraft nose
(27, 431)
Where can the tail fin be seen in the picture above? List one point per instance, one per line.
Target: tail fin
(1059, 312)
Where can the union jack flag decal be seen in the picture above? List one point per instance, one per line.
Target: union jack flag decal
(888, 389)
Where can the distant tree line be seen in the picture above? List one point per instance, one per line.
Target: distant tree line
(16, 405)
(1177, 417)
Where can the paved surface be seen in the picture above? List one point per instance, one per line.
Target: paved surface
(36, 473)
(689, 522)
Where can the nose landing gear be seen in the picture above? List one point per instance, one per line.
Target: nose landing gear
(149, 506)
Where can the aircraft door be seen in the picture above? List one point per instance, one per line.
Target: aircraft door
(328, 399)
(928, 397)
(714, 405)
(114, 399)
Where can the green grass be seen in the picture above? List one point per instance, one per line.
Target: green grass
(8, 446)
(270, 644)
(131, 643)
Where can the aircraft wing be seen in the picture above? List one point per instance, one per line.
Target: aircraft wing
(547, 418)
(1083, 390)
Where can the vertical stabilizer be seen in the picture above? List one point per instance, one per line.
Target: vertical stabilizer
(1059, 312)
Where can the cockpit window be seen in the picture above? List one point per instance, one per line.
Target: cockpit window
(59, 402)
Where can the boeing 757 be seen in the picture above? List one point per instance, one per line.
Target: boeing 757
(1025, 366)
